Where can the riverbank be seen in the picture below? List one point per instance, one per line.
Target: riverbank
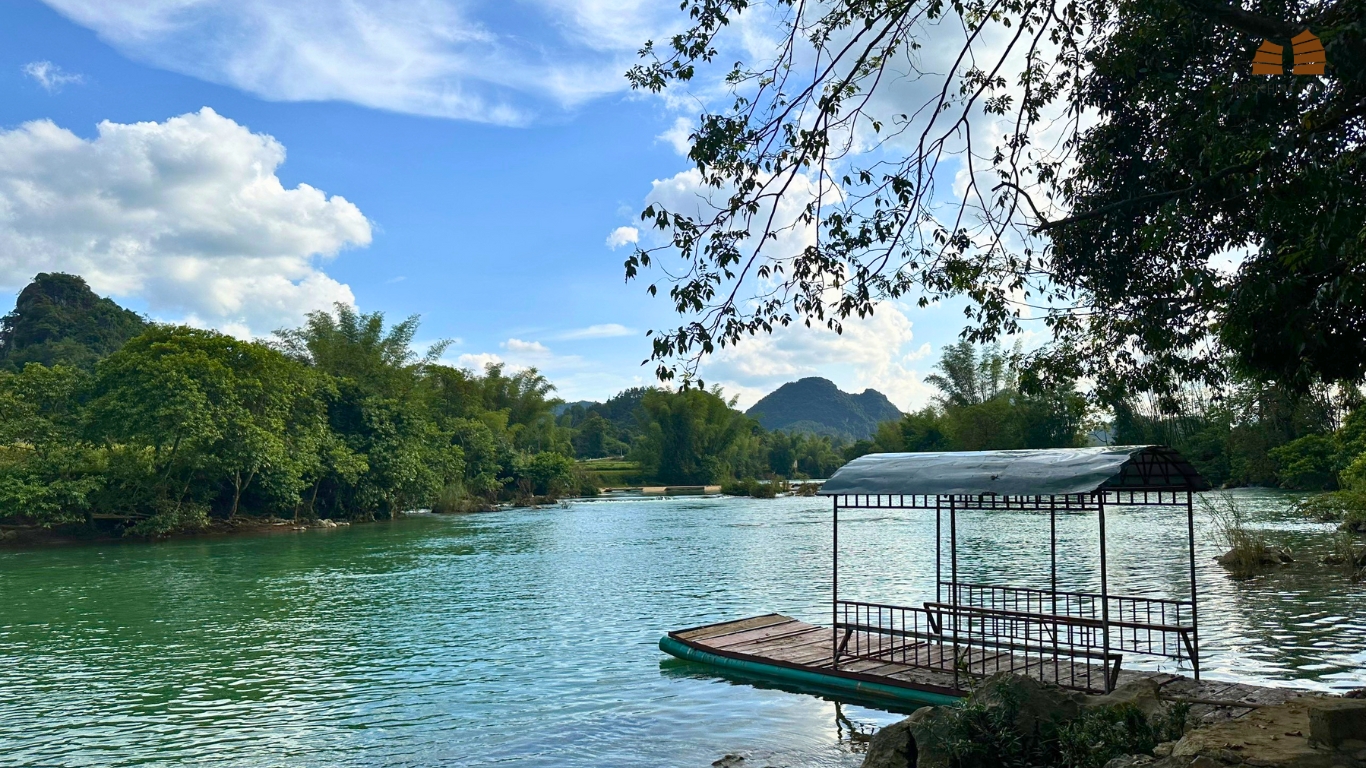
(1176, 723)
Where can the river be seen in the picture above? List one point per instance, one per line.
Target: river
(527, 637)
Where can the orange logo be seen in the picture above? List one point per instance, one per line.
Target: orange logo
(1309, 56)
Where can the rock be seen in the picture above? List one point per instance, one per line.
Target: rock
(1038, 701)
(1264, 557)
(1130, 761)
(1142, 693)
(893, 746)
(327, 524)
(1269, 737)
(1333, 722)
(1164, 749)
(729, 761)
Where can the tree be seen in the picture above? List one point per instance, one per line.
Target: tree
(966, 379)
(1112, 153)
(210, 409)
(688, 435)
(379, 405)
(48, 474)
(57, 319)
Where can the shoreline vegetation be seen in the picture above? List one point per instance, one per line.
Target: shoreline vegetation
(113, 426)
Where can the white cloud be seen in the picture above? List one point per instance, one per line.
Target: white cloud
(477, 60)
(871, 352)
(50, 76)
(875, 351)
(526, 348)
(186, 214)
(476, 362)
(622, 236)
(603, 331)
(677, 135)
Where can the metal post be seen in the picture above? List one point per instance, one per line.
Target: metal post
(938, 554)
(1195, 626)
(1104, 593)
(835, 585)
(953, 580)
(1053, 548)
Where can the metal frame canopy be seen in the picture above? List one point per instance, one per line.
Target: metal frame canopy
(1070, 638)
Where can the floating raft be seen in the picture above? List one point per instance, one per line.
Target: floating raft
(783, 650)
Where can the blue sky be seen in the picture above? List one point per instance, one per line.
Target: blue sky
(462, 161)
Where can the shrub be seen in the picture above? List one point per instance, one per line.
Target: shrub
(1346, 507)
(1104, 733)
(995, 727)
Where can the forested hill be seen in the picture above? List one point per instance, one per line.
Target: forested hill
(58, 319)
(817, 406)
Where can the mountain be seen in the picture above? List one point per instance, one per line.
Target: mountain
(817, 405)
(58, 319)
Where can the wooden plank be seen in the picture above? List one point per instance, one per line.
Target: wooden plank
(773, 631)
(715, 630)
(813, 637)
(805, 656)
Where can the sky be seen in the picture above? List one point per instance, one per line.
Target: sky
(235, 164)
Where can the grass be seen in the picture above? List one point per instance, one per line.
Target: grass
(1349, 552)
(1247, 552)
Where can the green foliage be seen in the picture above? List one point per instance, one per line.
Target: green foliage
(1254, 434)
(1309, 463)
(986, 730)
(981, 407)
(1103, 733)
(1115, 235)
(58, 320)
(688, 436)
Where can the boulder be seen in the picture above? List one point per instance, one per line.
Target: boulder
(893, 746)
(1264, 557)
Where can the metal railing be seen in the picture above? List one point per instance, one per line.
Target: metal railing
(975, 641)
(1142, 625)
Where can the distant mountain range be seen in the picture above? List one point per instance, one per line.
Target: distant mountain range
(816, 405)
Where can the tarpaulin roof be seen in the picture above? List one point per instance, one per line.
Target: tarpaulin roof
(1043, 472)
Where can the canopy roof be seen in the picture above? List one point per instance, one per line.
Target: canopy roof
(1043, 472)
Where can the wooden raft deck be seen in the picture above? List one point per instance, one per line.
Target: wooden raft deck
(776, 640)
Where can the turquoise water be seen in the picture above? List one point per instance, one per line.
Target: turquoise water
(527, 637)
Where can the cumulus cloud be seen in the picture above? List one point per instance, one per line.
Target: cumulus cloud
(186, 214)
(677, 135)
(526, 348)
(872, 352)
(622, 236)
(468, 59)
(477, 361)
(50, 76)
(875, 351)
(603, 331)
